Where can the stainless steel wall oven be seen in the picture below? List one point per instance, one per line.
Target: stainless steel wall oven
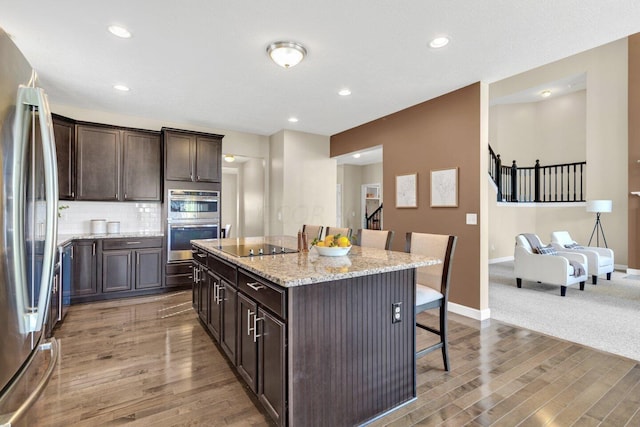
(191, 215)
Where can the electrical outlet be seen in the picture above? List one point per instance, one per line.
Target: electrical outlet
(396, 312)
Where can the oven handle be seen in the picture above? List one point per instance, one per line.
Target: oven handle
(194, 199)
(193, 226)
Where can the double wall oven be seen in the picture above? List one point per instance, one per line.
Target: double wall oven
(192, 214)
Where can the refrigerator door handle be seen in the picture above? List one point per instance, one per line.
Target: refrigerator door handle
(33, 96)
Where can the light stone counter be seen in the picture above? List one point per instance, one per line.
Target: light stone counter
(63, 239)
(296, 269)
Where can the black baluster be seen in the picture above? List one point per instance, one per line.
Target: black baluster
(498, 164)
(514, 182)
(537, 181)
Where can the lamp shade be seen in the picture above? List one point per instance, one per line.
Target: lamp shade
(599, 206)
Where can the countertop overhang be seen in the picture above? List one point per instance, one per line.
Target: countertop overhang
(305, 268)
(63, 239)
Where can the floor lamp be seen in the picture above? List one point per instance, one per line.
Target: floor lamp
(598, 206)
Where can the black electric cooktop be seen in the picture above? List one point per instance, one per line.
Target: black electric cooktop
(256, 249)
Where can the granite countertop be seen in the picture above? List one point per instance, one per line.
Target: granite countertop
(63, 239)
(296, 269)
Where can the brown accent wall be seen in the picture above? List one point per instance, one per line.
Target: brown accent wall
(634, 151)
(441, 133)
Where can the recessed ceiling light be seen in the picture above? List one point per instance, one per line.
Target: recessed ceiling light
(356, 156)
(119, 31)
(439, 42)
(293, 119)
(344, 92)
(545, 93)
(122, 88)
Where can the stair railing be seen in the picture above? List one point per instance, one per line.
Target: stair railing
(563, 182)
(374, 220)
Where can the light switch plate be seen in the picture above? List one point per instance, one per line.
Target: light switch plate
(472, 219)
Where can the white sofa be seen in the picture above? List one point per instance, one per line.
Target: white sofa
(551, 269)
(600, 259)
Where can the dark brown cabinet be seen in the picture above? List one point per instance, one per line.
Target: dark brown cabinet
(191, 156)
(131, 264)
(85, 268)
(65, 135)
(262, 341)
(117, 165)
(141, 166)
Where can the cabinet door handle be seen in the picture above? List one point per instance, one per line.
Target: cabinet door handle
(133, 243)
(256, 319)
(73, 194)
(215, 293)
(138, 258)
(71, 252)
(93, 249)
(249, 328)
(256, 286)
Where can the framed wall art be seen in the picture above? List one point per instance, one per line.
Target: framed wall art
(444, 188)
(407, 191)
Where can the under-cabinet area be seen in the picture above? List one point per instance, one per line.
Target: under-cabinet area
(306, 335)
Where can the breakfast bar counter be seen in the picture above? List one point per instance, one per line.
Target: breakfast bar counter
(320, 340)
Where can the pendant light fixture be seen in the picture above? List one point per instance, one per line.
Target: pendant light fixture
(286, 54)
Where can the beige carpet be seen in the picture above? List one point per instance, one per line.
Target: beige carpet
(605, 316)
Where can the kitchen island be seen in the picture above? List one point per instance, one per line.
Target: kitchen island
(316, 338)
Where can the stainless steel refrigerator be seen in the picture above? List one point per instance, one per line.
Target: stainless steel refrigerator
(28, 214)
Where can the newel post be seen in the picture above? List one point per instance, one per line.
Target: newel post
(537, 181)
(514, 182)
(498, 178)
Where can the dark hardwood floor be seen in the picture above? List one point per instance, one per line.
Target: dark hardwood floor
(149, 362)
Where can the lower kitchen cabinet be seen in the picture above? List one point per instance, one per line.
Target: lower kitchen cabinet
(85, 269)
(247, 317)
(131, 264)
(116, 268)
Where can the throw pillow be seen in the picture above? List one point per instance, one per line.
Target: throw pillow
(574, 246)
(547, 250)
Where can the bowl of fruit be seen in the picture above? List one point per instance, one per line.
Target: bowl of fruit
(331, 245)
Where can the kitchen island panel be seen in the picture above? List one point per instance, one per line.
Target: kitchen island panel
(348, 363)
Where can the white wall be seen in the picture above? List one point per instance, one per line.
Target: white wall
(229, 201)
(606, 141)
(552, 130)
(303, 181)
(253, 197)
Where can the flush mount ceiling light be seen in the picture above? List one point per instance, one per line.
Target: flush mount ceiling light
(344, 92)
(119, 31)
(286, 54)
(121, 88)
(545, 93)
(356, 156)
(439, 42)
(229, 158)
(293, 119)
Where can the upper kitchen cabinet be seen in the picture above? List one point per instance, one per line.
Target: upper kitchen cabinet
(192, 156)
(99, 158)
(141, 166)
(116, 164)
(65, 135)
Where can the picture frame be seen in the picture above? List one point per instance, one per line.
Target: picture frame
(444, 188)
(407, 191)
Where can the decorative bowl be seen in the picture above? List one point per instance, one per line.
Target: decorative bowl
(332, 250)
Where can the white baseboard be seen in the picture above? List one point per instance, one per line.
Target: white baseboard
(633, 271)
(503, 259)
(473, 313)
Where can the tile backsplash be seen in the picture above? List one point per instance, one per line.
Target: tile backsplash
(133, 217)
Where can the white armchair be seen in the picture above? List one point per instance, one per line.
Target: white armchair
(551, 269)
(600, 259)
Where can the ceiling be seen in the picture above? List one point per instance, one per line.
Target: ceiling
(203, 62)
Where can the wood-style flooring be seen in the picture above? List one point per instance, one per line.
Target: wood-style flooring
(149, 362)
